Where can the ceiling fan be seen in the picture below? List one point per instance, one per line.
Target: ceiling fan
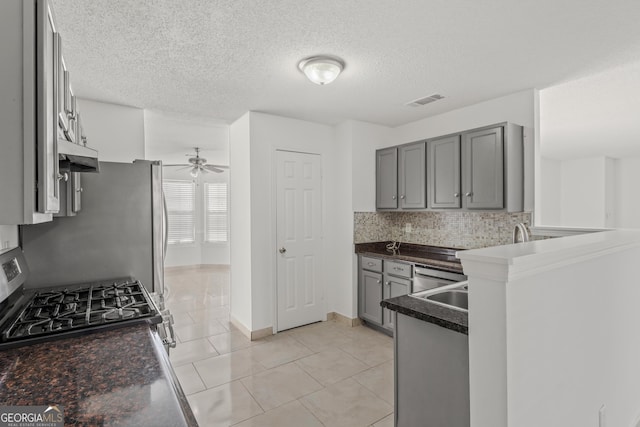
(199, 164)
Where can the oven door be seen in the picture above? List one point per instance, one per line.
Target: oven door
(427, 278)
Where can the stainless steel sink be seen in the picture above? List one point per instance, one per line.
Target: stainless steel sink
(455, 296)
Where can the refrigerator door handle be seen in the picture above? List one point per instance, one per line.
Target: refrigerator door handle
(165, 227)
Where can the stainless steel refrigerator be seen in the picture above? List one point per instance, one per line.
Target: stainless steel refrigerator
(120, 231)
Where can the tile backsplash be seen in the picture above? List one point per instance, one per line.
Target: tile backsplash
(465, 230)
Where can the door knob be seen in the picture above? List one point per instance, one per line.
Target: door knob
(282, 250)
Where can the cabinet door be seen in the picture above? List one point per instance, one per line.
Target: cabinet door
(393, 287)
(47, 82)
(444, 172)
(370, 296)
(483, 169)
(76, 185)
(387, 178)
(412, 179)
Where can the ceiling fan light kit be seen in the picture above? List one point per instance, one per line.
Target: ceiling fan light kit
(199, 164)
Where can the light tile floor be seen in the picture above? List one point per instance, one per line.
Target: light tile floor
(324, 374)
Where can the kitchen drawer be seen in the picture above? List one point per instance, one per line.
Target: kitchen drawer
(372, 264)
(398, 269)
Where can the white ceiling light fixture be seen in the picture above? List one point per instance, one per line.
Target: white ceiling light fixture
(321, 70)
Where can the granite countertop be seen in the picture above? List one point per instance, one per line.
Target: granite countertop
(449, 318)
(431, 256)
(119, 377)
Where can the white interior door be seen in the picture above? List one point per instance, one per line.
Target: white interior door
(300, 293)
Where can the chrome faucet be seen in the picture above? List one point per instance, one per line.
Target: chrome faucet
(524, 234)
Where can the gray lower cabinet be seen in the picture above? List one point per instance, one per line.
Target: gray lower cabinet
(370, 295)
(444, 172)
(387, 178)
(393, 287)
(431, 365)
(374, 286)
(483, 169)
(411, 176)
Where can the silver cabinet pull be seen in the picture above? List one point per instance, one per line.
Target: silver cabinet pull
(378, 281)
(80, 190)
(370, 264)
(393, 197)
(456, 195)
(388, 283)
(402, 197)
(469, 194)
(282, 250)
(63, 177)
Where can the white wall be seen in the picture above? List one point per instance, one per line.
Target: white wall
(8, 236)
(550, 209)
(627, 203)
(366, 138)
(240, 221)
(116, 131)
(553, 332)
(516, 108)
(583, 192)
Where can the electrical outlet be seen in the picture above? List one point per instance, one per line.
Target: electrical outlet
(602, 416)
(407, 227)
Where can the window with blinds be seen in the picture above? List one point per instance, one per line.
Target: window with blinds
(181, 213)
(216, 213)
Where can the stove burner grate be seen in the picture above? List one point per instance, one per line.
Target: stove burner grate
(92, 305)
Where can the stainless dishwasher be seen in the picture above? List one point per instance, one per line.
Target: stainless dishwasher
(428, 278)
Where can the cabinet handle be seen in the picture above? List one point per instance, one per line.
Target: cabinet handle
(80, 190)
(63, 176)
(456, 195)
(370, 264)
(402, 197)
(469, 194)
(378, 281)
(393, 197)
(388, 283)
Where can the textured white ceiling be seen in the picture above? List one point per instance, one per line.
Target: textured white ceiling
(222, 58)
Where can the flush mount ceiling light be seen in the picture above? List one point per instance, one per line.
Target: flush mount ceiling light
(321, 70)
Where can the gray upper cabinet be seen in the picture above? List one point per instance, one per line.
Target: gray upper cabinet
(483, 170)
(411, 176)
(387, 178)
(479, 169)
(444, 172)
(29, 172)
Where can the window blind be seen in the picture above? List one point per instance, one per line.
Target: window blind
(180, 198)
(216, 212)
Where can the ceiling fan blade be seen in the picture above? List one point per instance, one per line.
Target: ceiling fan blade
(204, 169)
(181, 164)
(220, 166)
(212, 168)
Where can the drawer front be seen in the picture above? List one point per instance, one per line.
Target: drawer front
(372, 264)
(398, 269)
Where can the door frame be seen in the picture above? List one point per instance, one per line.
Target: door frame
(274, 233)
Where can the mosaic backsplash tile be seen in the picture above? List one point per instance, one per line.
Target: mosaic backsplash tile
(464, 230)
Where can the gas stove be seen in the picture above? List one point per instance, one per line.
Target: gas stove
(33, 315)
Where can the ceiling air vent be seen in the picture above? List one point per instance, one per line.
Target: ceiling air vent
(424, 101)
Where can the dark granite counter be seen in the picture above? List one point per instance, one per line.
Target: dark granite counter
(433, 313)
(431, 256)
(119, 377)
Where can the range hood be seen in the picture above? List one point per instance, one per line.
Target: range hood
(77, 158)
